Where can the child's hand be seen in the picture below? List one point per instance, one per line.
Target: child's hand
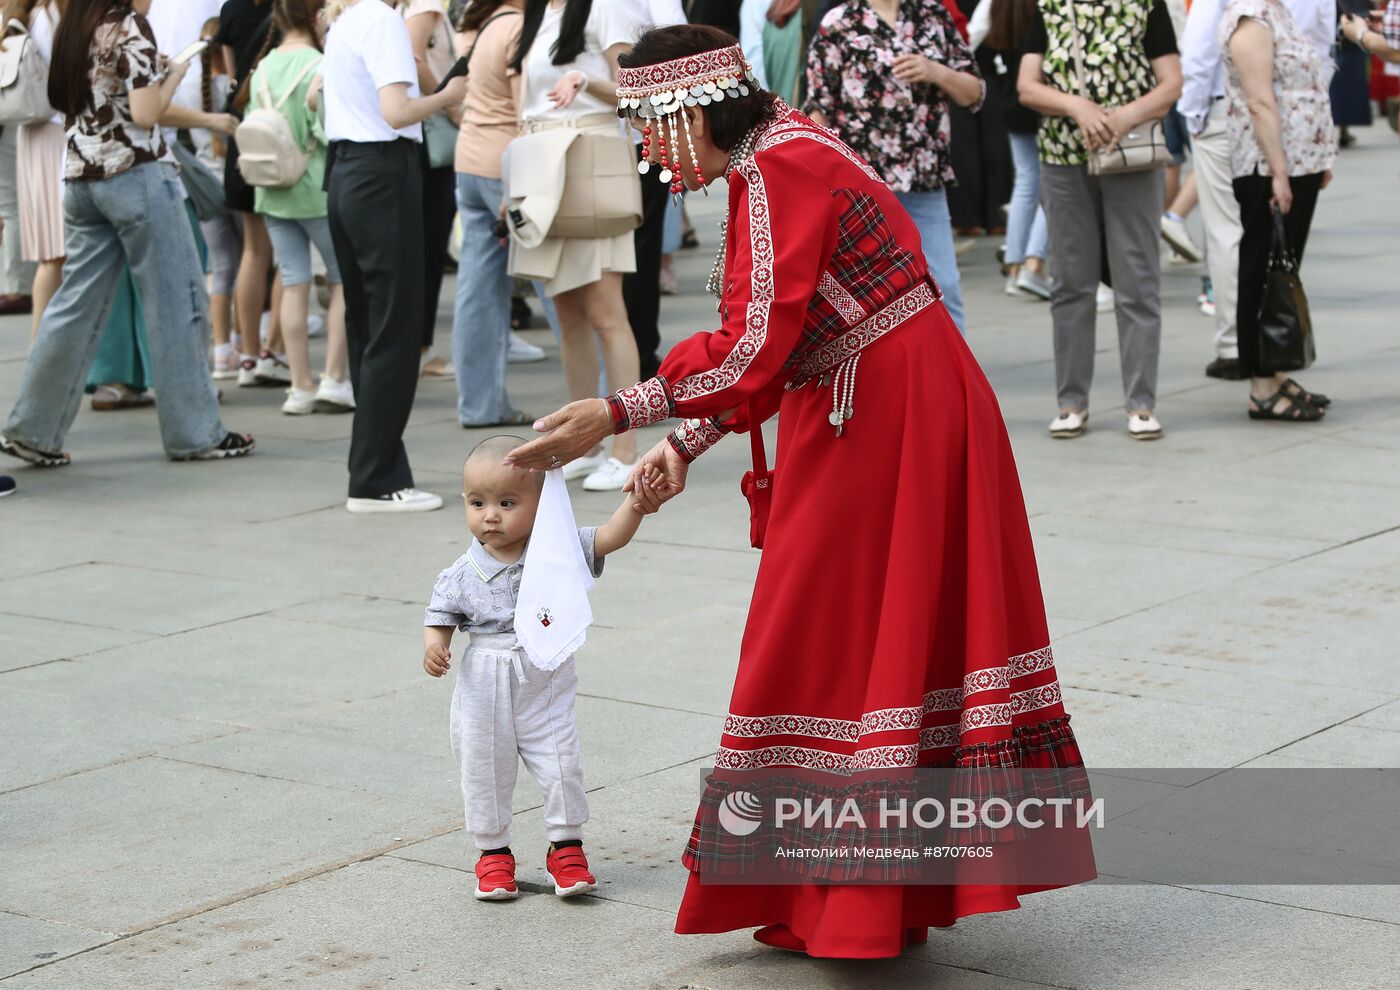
(646, 499)
(437, 660)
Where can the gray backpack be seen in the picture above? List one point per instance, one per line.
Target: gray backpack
(24, 79)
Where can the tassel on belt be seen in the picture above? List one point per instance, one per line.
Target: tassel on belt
(837, 360)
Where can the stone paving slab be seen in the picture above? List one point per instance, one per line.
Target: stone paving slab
(1092, 937)
(29, 641)
(27, 942)
(189, 836)
(393, 922)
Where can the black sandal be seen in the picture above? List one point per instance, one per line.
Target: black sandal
(232, 445)
(1298, 411)
(1293, 390)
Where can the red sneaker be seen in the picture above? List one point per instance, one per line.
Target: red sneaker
(495, 878)
(569, 868)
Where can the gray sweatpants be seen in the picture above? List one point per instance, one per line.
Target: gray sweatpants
(1084, 213)
(505, 710)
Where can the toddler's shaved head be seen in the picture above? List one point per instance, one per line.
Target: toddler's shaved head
(487, 455)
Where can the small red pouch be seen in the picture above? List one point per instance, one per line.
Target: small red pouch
(757, 485)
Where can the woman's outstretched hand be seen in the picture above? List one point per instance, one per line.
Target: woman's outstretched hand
(660, 469)
(572, 432)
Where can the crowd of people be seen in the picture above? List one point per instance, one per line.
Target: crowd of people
(197, 172)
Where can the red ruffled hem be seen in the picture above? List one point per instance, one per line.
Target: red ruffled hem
(843, 922)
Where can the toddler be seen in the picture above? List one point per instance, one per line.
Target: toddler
(504, 708)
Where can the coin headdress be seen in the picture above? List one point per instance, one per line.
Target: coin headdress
(659, 93)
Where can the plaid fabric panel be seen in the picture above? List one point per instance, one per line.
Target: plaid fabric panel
(868, 270)
(714, 851)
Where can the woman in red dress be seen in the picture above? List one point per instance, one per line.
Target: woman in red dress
(896, 621)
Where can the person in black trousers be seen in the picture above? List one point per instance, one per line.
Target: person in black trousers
(641, 290)
(375, 180)
(1281, 159)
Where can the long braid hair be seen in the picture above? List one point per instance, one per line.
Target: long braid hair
(298, 15)
(211, 63)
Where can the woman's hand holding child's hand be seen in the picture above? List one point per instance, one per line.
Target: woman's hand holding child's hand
(436, 659)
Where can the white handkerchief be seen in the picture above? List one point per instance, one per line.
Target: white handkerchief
(552, 614)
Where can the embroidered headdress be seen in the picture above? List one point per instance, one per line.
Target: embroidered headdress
(658, 93)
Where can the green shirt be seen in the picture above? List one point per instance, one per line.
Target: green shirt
(273, 78)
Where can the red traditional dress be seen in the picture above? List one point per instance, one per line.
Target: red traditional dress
(897, 620)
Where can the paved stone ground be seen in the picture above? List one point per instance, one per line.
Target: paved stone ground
(224, 767)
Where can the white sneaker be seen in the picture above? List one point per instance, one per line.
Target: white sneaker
(271, 369)
(1033, 283)
(1142, 425)
(582, 467)
(299, 403)
(226, 364)
(1207, 307)
(1069, 425)
(334, 396)
(608, 478)
(1176, 235)
(1103, 299)
(1011, 289)
(315, 325)
(403, 500)
(522, 351)
(248, 371)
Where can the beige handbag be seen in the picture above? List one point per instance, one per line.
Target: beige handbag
(602, 195)
(1142, 149)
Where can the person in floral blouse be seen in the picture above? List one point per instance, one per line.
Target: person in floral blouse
(1282, 147)
(880, 74)
(1129, 75)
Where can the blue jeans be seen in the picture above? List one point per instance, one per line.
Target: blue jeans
(137, 217)
(1026, 233)
(929, 211)
(675, 228)
(481, 319)
(291, 246)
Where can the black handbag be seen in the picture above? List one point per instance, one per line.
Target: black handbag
(1285, 325)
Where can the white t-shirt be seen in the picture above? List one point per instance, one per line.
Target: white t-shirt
(367, 49)
(177, 25)
(610, 22)
(664, 13)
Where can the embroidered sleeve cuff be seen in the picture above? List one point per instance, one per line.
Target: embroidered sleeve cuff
(642, 404)
(695, 436)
